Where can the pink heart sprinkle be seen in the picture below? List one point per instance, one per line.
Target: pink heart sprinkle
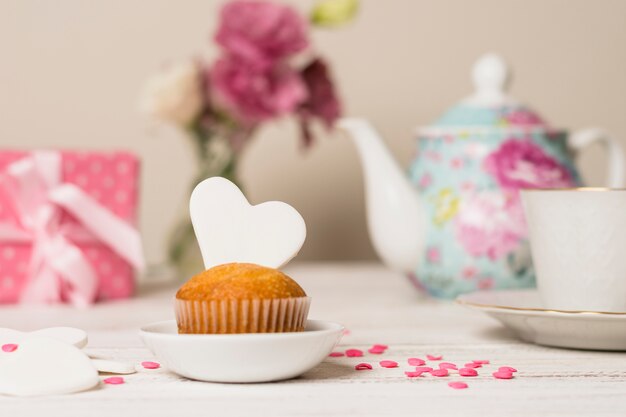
(151, 365)
(503, 375)
(481, 362)
(9, 347)
(383, 347)
(362, 366)
(468, 372)
(114, 380)
(336, 354)
(473, 365)
(354, 353)
(423, 368)
(416, 362)
(376, 351)
(389, 364)
(346, 332)
(434, 358)
(506, 369)
(457, 385)
(447, 365)
(439, 372)
(413, 374)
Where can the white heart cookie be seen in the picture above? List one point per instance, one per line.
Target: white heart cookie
(69, 335)
(45, 366)
(113, 367)
(229, 229)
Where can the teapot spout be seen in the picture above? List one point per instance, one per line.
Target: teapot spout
(394, 211)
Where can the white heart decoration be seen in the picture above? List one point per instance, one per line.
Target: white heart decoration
(229, 229)
(69, 335)
(113, 367)
(45, 366)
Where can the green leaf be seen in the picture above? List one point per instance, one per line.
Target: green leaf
(334, 13)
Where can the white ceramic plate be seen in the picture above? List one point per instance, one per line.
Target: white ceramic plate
(523, 312)
(259, 357)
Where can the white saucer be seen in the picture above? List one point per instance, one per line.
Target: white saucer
(250, 357)
(523, 312)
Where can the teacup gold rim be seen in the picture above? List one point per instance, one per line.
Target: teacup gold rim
(584, 189)
(542, 310)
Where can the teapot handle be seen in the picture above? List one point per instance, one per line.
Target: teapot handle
(617, 161)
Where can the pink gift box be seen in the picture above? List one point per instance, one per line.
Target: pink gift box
(111, 179)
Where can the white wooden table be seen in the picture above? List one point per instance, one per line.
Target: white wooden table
(377, 306)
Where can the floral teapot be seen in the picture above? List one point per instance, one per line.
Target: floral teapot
(455, 224)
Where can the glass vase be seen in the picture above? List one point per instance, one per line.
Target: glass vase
(214, 157)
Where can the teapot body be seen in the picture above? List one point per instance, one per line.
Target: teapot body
(457, 224)
(469, 181)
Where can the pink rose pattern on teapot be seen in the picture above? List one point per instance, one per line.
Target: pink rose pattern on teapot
(470, 182)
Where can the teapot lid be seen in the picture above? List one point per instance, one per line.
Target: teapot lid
(490, 106)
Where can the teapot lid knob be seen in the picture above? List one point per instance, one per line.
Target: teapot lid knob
(491, 78)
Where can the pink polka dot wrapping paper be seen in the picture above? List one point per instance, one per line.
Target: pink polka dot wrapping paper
(111, 179)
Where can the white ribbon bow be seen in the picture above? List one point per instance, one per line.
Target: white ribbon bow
(58, 268)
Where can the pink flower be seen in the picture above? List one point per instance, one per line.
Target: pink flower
(253, 94)
(425, 180)
(322, 100)
(523, 118)
(523, 164)
(433, 156)
(261, 32)
(485, 283)
(475, 150)
(490, 224)
(469, 272)
(433, 255)
(467, 186)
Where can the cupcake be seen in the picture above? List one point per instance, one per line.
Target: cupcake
(241, 298)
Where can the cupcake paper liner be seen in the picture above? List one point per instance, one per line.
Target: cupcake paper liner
(242, 316)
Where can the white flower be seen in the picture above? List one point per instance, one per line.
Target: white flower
(174, 95)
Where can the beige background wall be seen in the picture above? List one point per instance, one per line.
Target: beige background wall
(71, 70)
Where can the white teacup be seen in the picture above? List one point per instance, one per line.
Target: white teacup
(578, 244)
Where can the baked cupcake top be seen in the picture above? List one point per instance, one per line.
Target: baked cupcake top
(239, 281)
